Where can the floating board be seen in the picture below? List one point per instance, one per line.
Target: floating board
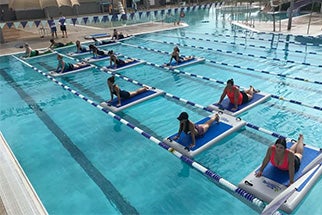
(227, 124)
(226, 106)
(113, 42)
(124, 66)
(274, 181)
(125, 103)
(99, 35)
(55, 74)
(40, 55)
(98, 58)
(74, 54)
(67, 45)
(193, 60)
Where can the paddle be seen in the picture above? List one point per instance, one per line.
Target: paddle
(309, 171)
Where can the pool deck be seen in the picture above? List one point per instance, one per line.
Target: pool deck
(299, 25)
(17, 37)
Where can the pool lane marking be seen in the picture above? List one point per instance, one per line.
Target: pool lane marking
(248, 45)
(260, 39)
(236, 191)
(237, 66)
(105, 185)
(214, 80)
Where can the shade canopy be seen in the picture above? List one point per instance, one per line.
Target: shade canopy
(40, 4)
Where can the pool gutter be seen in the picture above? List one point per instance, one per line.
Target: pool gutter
(17, 195)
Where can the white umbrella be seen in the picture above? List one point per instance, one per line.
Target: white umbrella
(40, 4)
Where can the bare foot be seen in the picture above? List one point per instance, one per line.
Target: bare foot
(300, 138)
(217, 118)
(254, 90)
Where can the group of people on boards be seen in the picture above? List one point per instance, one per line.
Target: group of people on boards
(278, 154)
(79, 48)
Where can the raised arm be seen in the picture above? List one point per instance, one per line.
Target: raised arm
(224, 93)
(117, 91)
(265, 162)
(63, 64)
(236, 95)
(179, 132)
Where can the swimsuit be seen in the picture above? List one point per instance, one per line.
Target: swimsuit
(200, 130)
(34, 53)
(284, 165)
(242, 98)
(123, 93)
(68, 67)
(231, 96)
(120, 62)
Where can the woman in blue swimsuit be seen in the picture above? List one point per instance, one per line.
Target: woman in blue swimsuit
(195, 130)
(121, 94)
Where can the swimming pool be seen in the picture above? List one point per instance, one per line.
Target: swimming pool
(82, 161)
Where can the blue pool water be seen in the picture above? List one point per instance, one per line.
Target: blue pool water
(82, 161)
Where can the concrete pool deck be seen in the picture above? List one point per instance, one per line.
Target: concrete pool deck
(17, 37)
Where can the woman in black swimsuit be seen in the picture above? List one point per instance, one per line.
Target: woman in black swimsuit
(121, 94)
(117, 62)
(195, 130)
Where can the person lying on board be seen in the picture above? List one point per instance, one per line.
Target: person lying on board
(102, 42)
(121, 94)
(80, 48)
(175, 55)
(283, 158)
(66, 67)
(236, 96)
(32, 53)
(195, 130)
(117, 62)
(117, 35)
(96, 51)
(54, 44)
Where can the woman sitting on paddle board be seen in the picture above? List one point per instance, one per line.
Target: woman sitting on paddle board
(283, 158)
(121, 94)
(236, 96)
(195, 130)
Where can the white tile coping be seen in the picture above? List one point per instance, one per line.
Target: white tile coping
(17, 194)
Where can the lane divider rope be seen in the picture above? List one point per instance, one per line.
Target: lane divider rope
(244, 44)
(237, 66)
(214, 80)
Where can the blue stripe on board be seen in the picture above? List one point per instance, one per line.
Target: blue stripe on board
(105, 185)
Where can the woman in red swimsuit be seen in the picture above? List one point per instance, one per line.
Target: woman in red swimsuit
(236, 96)
(195, 130)
(283, 158)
